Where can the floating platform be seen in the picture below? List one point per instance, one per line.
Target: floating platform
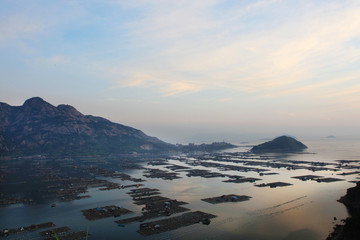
(349, 173)
(308, 177)
(157, 173)
(111, 186)
(139, 190)
(32, 227)
(203, 173)
(226, 167)
(328, 180)
(104, 212)
(151, 199)
(68, 198)
(158, 163)
(58, 231)
(176, 167)
(124, 176)
(347, 161)
(158, 209)
(227, 198)
(132, 185)
(274, 184)
(72, 236)
(70, 192)
(243, 180)
(155, 206)
(270, 173)
(144, 192)
(169, 224)
(10, 201)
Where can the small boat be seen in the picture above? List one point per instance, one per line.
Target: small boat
(205, 221)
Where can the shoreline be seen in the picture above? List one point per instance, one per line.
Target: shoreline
(350, 230)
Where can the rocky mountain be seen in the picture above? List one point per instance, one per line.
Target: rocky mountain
(283, 144)
(38, 127)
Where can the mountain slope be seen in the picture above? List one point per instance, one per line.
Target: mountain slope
(280, 144)
(38, 127)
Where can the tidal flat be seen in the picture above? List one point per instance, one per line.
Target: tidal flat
(289, 196)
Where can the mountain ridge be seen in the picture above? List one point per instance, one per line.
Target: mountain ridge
(37, 127)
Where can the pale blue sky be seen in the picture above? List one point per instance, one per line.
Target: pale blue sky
(207, 69)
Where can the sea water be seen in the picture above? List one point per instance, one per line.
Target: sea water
(304, 210)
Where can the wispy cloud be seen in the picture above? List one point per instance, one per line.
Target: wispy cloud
(317, 88)
(180, 47)
(190, 41)
(348, 91)
(183, 87)
(274, 56)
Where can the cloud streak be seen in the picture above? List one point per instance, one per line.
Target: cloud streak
(185, 47)
(283, 59)
(193, 45)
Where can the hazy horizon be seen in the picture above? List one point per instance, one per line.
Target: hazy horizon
(190, 71)
(206, 134)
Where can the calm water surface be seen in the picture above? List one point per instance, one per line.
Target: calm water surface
(304, 210)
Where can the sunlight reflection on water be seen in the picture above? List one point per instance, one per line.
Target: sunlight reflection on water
(304, 210)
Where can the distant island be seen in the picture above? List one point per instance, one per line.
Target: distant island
(39, 128)
(331, 136)
(283, 144)
(215, 146)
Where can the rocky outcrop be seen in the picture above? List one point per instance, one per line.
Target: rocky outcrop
(351, 229)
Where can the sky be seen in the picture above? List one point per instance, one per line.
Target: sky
(190, 70)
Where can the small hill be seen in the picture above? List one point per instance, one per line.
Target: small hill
(37, 127)
(283, 144)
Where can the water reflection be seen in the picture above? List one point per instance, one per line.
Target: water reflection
(304, 210)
